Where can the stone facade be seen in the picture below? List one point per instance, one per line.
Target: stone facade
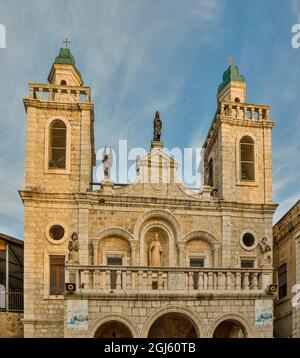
(216, 298)
(11, 325)
(287, 252)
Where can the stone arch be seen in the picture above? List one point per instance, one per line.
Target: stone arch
(232, 317)
(168, 222)
(113, 231)
(117, 231)
(207, 237)
(158, 214)
(187, 312)
(125, 320)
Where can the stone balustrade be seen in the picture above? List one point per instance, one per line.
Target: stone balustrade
(104, 279)
(52, 93)
(244, 111)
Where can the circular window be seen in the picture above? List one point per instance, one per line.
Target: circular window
(56, 232)
(248, 241)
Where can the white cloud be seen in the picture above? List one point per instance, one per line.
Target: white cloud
(126, 52)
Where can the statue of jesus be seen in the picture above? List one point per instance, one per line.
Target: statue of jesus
(155, 252)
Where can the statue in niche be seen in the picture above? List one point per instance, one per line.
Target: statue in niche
(73, 248)
(157, 124)
(155, 252)
(264, 251)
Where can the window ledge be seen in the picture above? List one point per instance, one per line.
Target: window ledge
(246, 183)
(54, 297)
(57, 171)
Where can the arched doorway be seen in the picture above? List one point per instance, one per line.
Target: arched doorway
(230, 329)
(173, 325)
(113, 329)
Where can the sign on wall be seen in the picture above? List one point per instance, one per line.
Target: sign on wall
(263, 312)
(77, 315)
(176, 281)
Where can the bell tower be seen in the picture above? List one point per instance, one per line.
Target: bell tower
(60, 130)
(238, 147)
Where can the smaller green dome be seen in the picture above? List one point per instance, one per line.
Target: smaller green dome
(65, 57)
(231, 74)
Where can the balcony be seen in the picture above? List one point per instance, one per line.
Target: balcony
(244, 111)
(11, 301)
(167, 280)
(53, 93)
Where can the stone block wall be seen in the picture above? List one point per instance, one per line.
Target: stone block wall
(11, 325)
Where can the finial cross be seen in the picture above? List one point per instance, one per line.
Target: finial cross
(66, 42)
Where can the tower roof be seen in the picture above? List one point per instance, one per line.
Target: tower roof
(65, 57)
(231, 74)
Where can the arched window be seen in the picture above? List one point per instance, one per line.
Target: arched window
(211, 173)
(247, 158)
(57, 147)
(63, 82)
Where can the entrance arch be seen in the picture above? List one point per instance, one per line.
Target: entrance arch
(113, 329)
(230, 328)
(105, 324)
(231, 325)
(184, 312)
(173, 325)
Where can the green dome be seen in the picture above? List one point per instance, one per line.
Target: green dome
(65, 57)
(231, 74)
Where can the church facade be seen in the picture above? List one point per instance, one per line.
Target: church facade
(149, 259)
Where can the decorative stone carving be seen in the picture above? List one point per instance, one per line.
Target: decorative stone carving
(264, 251)
(155, 252)
(73, 248)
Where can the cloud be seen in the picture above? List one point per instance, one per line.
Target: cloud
(128, 52)
(285, 206)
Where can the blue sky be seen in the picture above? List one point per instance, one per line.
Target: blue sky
(139, 56)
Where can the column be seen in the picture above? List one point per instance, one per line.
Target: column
(226, 240)
(180, 248)
(133, 254)
(85, 151)
(95, 244)
(83, 234)
(216, 248)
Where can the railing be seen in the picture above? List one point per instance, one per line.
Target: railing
(245, 111)
(51, 93)
(150, 279)
(11, 301)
